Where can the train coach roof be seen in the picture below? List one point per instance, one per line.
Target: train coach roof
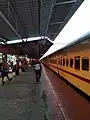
(82, 39)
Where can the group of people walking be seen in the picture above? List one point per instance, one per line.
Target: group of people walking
(4, 69)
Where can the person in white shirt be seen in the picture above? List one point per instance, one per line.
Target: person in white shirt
(38, 68)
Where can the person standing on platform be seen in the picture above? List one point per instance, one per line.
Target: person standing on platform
(17, 68)
(12, 65)
(38, 68)
(22, 66)
(5, 72)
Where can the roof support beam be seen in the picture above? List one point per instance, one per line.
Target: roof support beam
(17, 21)
(3, 40)
(39, 6)
(53, 5)
(31, 12)
(72, 11)
(50, 15)
(66, 2)
(55, 23)
(51, 33)
(9, 24)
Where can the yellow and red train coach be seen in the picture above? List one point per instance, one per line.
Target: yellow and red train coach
(73, 64)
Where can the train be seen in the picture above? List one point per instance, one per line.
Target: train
(73, 64)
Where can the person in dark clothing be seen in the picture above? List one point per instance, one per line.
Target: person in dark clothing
(14, 68)
(38, 68)
(22, 67)
(17, 68)
(5, 72)
(12, 65)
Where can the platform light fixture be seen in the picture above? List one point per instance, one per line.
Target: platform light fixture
(29, 39)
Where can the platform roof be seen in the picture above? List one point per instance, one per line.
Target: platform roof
(34, 49)
(21, 19)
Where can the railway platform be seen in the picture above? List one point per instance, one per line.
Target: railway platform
(51, 99)
(20, 98)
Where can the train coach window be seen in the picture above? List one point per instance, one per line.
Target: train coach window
(85, 64)
(71, 62)
(63, 62)
(59, 62)
(53, 61)
(67, 62)
(77, 63)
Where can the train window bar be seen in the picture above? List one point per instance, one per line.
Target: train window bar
(71, 62)
(53, 61)
(77, 63)
(67, 62)
(85, 63)
(63, 62)
(59, 62)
